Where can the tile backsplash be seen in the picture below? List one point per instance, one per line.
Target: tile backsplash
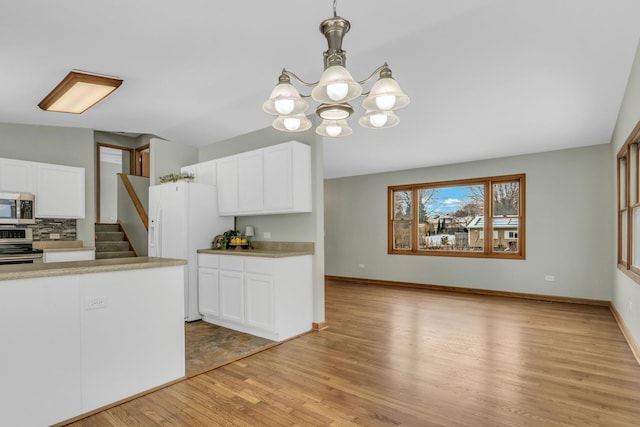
(44, 227)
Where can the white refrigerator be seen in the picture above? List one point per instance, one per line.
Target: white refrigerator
(183, 217)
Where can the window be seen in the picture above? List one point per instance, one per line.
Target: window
(629, 206)
(448, 218)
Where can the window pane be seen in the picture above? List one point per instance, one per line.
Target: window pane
(506, 198)
(505, 234)
(623, 236)
(622, 182)
(633, 174)
(402, 235)
(635, 241)
(444, 216)
(402, 205)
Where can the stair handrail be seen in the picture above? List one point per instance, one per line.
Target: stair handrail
(136, 201)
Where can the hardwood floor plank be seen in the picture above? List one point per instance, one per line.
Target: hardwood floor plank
(396, 356)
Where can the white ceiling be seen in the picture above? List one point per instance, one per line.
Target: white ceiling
(486, 78)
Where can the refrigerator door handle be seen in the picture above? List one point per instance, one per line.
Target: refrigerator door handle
(158, 233)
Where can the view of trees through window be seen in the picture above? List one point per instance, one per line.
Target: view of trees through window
(449, 217)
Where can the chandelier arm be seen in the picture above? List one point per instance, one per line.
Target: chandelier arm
(376, 71)
(292, 74)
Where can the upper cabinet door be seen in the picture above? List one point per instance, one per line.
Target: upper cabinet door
(287, 178)
(204, 173)
(17, 176)
(60, 191)
(250, 182)
(227, 178)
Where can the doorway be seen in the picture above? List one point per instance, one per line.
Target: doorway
(112, 160)
(142, 161)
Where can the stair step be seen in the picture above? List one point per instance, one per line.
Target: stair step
(104, 236)
(118, 254)
(111, 242)
(112, 246)
(107, 227)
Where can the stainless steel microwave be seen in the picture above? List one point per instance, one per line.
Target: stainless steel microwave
(17, 208)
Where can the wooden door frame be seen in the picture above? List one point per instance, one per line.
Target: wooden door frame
(117, 147)
(138, 158)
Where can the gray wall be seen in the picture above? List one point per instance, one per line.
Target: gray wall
(568, 227)
(168, 157)
(57, 145)
(128, 215)
(626, 292)
(303, 227)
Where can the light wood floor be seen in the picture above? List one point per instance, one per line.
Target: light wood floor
(399, 356)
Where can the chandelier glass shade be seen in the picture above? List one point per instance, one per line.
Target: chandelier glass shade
(333, 92)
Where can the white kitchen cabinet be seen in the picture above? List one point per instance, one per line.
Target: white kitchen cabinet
(271, 180)
(60, 191)
(227, 179)
(264, 296)
(204, 173)
(231, 289)
(208, 285)
(287, 178)
(250, 178)
(17, 176)
(66, 256)
(259, 302)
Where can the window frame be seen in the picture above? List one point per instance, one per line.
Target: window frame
(487, 250)
(628, 204)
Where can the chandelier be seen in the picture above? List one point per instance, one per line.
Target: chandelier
(335, 89)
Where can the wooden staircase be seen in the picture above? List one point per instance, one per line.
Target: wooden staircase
(112, 242)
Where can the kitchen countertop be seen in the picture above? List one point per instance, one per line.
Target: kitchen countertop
(61, 245)
(267, 249)
(27, 271)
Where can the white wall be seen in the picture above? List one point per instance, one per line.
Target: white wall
(626, 292)
(568, 227)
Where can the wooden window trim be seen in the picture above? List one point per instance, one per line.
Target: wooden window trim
(487, 251)
(627, 267)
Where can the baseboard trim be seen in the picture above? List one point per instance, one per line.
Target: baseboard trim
(319, 326)
(520, 295)
(635, 348)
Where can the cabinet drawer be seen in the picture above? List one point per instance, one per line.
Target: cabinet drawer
(206, 260)
(258, 265)
(231, 262)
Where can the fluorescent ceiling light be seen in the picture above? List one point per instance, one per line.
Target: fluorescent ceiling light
(78, 92)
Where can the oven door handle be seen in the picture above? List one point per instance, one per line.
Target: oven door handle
(19, 258)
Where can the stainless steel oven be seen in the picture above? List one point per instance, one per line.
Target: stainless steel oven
(16, 246)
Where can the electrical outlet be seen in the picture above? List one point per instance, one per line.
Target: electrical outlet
(93, 303)
(550, 278)
(266, 234)
(360, 265)
(630, 305)
(54, 236)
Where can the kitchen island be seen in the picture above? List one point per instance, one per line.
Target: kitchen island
(78, 336)
(266, 291)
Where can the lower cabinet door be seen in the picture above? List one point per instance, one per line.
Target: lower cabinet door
(208, 291)
(231, 296)
(259, 301)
